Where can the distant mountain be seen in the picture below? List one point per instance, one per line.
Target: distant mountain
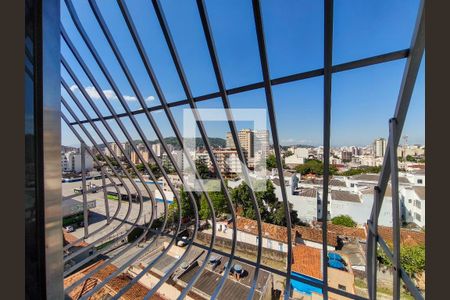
(213, 141)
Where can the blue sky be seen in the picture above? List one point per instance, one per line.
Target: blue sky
(362, 100)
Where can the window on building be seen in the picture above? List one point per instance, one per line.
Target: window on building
(342, 287)
(269, 244)
(352, 184)
(419, 181)
(409, 200)
(418, 217)
(417, 203)
(280, 246)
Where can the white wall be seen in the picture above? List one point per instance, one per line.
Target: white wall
(251, 239)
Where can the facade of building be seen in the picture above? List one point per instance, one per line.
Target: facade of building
(228, 160)
(379, 146)
(71, 162)
(246, 139)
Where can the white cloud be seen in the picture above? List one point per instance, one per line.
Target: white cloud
(110, 95)
(129, 98)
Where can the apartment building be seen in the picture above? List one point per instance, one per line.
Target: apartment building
(71, 162)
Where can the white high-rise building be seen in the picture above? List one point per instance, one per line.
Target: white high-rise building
(71, 162)
(262, 140)
(157, 149)
(379, 147)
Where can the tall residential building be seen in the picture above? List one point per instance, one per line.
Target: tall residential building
(379, 147)
(116, 149)
(128, 149)
(346, 156)
(246, 139)
(228, 160)
(71, 162)
(157, 149)
(262, 140)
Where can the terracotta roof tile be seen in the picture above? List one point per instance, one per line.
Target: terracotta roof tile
(354, 232)
(307, 261)
(279, 233)
(137, 291)
(273, 232)
(315, 235)
(407, 237)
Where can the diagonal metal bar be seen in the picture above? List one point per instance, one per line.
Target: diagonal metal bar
(172, 122)
(86, 132)
(128, 75)
(271, 108)
(84, 249)
(404, 97)
(73, 285)
(372, 242)
(111, 167)
(395, 209)
(369, 61)
(183, 79)
(412, 288)
(132, 165)
(226, 104)
(406, 89)
(106, 159)
(105, 195)
(84, 193)
(108, 222)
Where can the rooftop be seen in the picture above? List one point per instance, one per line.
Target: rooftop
(345, 196)
(271, 231)
(420, 191)
(306, 192)
(407, 237)
(307, 261)
(374, 178)
(137, 290)
(340, 230)
(315, 235)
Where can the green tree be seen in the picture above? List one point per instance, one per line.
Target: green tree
(361, 170)
(271, 162)
(314, 166)
(202, 168)
(343, 220)
(187, 210)
(410, 158)
(140, 167)
(271, 209)
(219, 203)
(278, 217)
(412, 259)
(288, 153)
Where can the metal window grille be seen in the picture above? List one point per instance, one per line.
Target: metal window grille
(94, 127)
